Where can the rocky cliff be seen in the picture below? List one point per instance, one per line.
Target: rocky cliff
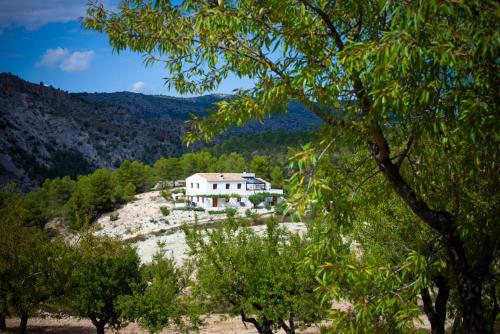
(46, 132)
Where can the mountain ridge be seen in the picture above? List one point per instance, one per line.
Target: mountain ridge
(48, 132)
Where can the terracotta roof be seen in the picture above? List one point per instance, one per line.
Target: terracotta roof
(226, 176)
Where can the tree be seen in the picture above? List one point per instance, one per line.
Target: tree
(134, 172)
(33, 269)
(161, 297)
(129, 192)
(231, 163)
(168, 169)
(256, 199)
(94, 194)
(277, 177)
(417, 82)
(107, 270)
(257, 277)
(261, 166)
(197, 162)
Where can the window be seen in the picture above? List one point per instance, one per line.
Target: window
(191, 185)
(214, 186)
(198, 185)
(239, 185)
(227, 185)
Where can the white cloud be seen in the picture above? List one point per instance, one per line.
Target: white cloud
(138, 87)
(33, 14)
(52, 57)
(67, 61)
(77, 61)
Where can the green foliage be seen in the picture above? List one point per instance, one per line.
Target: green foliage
(230, 212)
(257, 198)
(231, 163)
(164, 210)
(167, 195)
(189, 208)
(113, 216)
(161, 297)
(277, 177)
(168, 169)
(216, 212)
(107, 270)
(198, 162)
(94, 194)
(416, 80)
(261, 166)
(129, 192)
(136, 173)
(33, 269)
(274, 144)
(255, 276)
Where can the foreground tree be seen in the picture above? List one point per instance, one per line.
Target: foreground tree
(33, 269)
(259, 278)
(162, 297)
(107, 270)
(417, 80)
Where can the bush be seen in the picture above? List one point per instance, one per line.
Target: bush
(257, 198)
(166, 195)
(231, 212)
(216, 212)
(189, 208)
(268, 206)
(279, 208)
(164, 210)
(114, 216)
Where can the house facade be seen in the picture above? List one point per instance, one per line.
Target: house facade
(221, 190)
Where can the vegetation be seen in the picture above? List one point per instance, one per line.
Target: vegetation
(417, 82)
(258, 278)
(164, 210)
(114, 216)
(107, 271)
(161, 297)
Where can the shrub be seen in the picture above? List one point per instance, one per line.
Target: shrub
(190, 208)
(164, 211)
(216, 212)
(268, 206)
(257, 198)
(166, 195)
(231, 212)
(114, 216)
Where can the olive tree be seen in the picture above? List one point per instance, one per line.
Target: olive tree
(416, 80)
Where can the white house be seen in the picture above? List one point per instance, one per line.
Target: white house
(221, 190)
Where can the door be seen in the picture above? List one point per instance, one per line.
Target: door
(214, 202)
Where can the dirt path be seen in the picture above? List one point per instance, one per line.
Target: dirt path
(71, 325)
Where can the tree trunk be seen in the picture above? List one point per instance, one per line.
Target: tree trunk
(469, 280)
(265, 328)
(3, 326)
(23, 324)
(437, 313)
(469, 290)
(99, 324)
(99, 329)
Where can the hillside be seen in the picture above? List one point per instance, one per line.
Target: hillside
(47, 132)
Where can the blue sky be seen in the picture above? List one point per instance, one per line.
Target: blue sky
(42, 40)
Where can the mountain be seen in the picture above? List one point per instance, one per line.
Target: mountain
(47, 132)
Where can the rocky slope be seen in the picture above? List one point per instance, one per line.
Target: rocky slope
(46, 132)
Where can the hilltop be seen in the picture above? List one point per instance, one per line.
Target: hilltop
(48, 132)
